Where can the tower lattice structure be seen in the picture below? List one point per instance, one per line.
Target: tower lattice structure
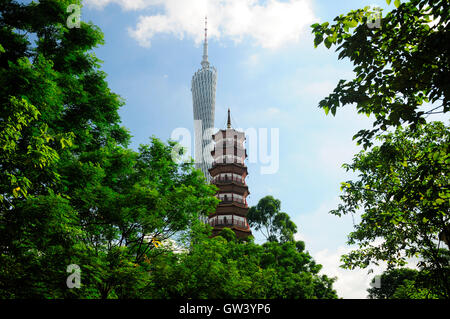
(203, 87)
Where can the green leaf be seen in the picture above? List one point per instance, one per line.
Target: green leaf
(333, 111)
(350, 23)
(397, 3)
(318, 39)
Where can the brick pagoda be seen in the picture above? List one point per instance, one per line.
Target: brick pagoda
(228, 173)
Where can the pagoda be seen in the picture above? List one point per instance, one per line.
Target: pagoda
(228, 173)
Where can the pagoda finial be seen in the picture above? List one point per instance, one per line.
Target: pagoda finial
(229, 119)
(205, 62)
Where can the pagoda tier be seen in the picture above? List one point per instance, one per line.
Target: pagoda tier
(231, 208)
(240, 232)
(238, 192)
(220, 168)
(228, 173)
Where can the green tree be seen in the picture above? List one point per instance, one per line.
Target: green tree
(389, 281)
(127, 200)
(410, 290)
(221, 267)
(403, 190)
(403, 283)
(54, 102)
(70, 191)
(401, 68)
(401, 77)
(273, 224)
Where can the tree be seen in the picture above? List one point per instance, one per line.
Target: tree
(70, 190)
(127, 201)
(389, 281)
(273, 224)
(402, 68)
(403, 283)
(410, 290)
(54, 102)
(401, 77)
(221, 267)
(403, 190)
(52, 95)
(72, 193)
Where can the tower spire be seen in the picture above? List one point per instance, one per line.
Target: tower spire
(229, 119)
(205, 62)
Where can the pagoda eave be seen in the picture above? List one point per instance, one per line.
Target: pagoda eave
(236, 168)
(239, 231)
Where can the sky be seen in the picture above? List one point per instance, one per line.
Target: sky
(269, 75)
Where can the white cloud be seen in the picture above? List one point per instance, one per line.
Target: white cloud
(273, 111)
(125, 4)
(325, 237)
(322, 229)
(326, 242)
(322, 89)
(300, 236)
(317, 81)
(272, 24)
(350, 284)
(332, 152)
(253, 60)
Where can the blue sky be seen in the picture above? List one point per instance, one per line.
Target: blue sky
(269, 75)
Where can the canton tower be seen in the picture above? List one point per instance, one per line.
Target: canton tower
(203, 87)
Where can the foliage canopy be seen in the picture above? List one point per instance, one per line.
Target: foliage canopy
(71, 192)
(402, 71)
(402, 68)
